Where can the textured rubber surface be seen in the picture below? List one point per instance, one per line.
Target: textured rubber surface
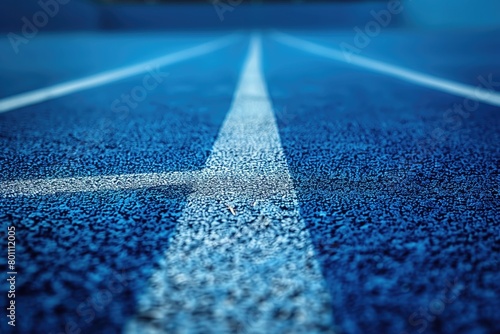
(398, 195)
(402, 200)
(242, 259)
(85, 258)
(171, 129)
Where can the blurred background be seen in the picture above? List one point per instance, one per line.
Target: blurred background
(213, 14)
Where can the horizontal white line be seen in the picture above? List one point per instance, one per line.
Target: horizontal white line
(62, 89)
(448, 86)
(40, 187)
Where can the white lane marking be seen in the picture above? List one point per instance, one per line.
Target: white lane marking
(40, 187)
(222, 272)
(255, 269)
(448, 86)
(55, 91)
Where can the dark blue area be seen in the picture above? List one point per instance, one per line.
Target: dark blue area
(83, 259)
(243, 16)
(95, 15)
(48, 15)
(85, 134)
(400, 195)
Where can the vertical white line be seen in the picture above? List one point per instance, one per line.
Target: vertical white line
(252, 272)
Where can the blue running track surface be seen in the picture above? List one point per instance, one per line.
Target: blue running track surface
(391, 186)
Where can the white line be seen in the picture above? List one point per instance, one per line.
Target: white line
(448, 86)
(241, 258)
(48, 186)
(227, 273)
(52, 92)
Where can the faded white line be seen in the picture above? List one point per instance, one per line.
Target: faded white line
(59, 90)
(252, 272)
(448, 86)
(49, 186)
